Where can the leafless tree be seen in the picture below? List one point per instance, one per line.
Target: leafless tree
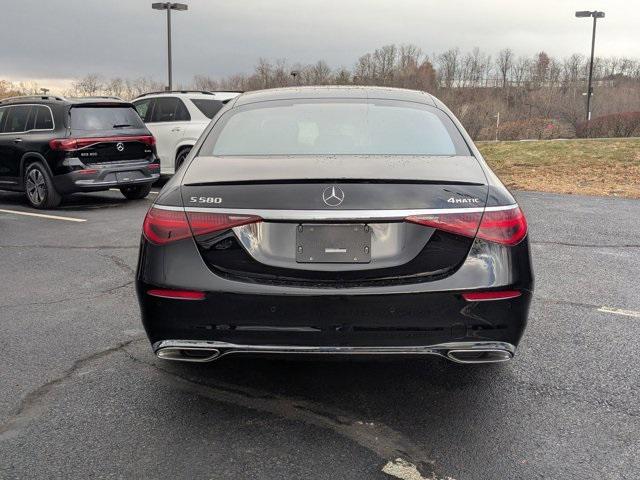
(505, 62)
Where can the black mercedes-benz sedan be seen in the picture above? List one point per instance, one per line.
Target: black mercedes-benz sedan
(335, 220)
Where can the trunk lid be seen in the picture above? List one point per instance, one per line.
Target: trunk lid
(305, 203)
(250, 169)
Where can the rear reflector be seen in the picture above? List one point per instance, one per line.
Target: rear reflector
(176, 294)
(507, 227)
(166, 226)
(489, 296)
(70, 144)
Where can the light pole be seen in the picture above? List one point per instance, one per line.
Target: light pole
(168, 6)
(596, 15)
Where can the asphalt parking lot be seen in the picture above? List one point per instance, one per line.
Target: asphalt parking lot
(81, 394)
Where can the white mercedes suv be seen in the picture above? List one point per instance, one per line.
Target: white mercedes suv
(177, 119)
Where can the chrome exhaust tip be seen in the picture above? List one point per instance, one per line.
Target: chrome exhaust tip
(479, 355)
(188, 354)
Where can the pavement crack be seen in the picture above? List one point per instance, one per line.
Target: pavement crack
(33, 404)
(383, 441)
(120, 263)
(570, 303)
(102, 293)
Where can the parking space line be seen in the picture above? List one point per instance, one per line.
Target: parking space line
(117, 190)
(620, 311)
(42, 215)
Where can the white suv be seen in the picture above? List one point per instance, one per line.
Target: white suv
(177, 119)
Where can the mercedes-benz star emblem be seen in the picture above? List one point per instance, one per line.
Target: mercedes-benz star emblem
(333, 196)
(120, 146)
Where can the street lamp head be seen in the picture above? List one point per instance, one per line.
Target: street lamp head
(169, 6)
(587, 13)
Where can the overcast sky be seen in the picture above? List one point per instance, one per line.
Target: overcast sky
(53, 41)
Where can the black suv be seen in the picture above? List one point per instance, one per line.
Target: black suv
(52, 146)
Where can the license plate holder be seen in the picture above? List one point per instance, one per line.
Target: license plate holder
(126, 177)
(334, 243)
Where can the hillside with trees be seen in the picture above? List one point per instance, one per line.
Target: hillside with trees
(537, 97)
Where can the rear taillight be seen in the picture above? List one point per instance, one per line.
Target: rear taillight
(205, 222)
(507, 227)
(166, 226)
(70, 144)
(465, 224)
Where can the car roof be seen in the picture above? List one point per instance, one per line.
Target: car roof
(51, 99)
(335, 91)
(190, 93)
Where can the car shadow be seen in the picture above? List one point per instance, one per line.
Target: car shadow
(75, 202)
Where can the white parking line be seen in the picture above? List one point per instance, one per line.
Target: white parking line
(117, 190)
(620, 311)
(42, 215)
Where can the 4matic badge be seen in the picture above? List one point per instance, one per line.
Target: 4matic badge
(463, 200)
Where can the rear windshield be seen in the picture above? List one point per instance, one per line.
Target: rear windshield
(208, 107)
(105, 118)
(334, 127)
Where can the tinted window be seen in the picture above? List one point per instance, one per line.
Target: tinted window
(208, 107)
(3, 115)
(144, 108)
(43, 120)
(356, 127)
(105, 118)
(170, 109)
(17, 119)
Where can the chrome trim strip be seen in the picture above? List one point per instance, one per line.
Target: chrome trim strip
(268, 214)
(153, 176)
(223, 348)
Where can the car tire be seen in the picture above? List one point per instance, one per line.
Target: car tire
(180, 157)
(39, 188)
(136, 192)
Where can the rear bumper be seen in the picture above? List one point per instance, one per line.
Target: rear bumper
(420, 318)
(415, 323)
(459, 352)
(103, 176)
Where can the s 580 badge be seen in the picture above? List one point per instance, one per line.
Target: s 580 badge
(205, 200)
